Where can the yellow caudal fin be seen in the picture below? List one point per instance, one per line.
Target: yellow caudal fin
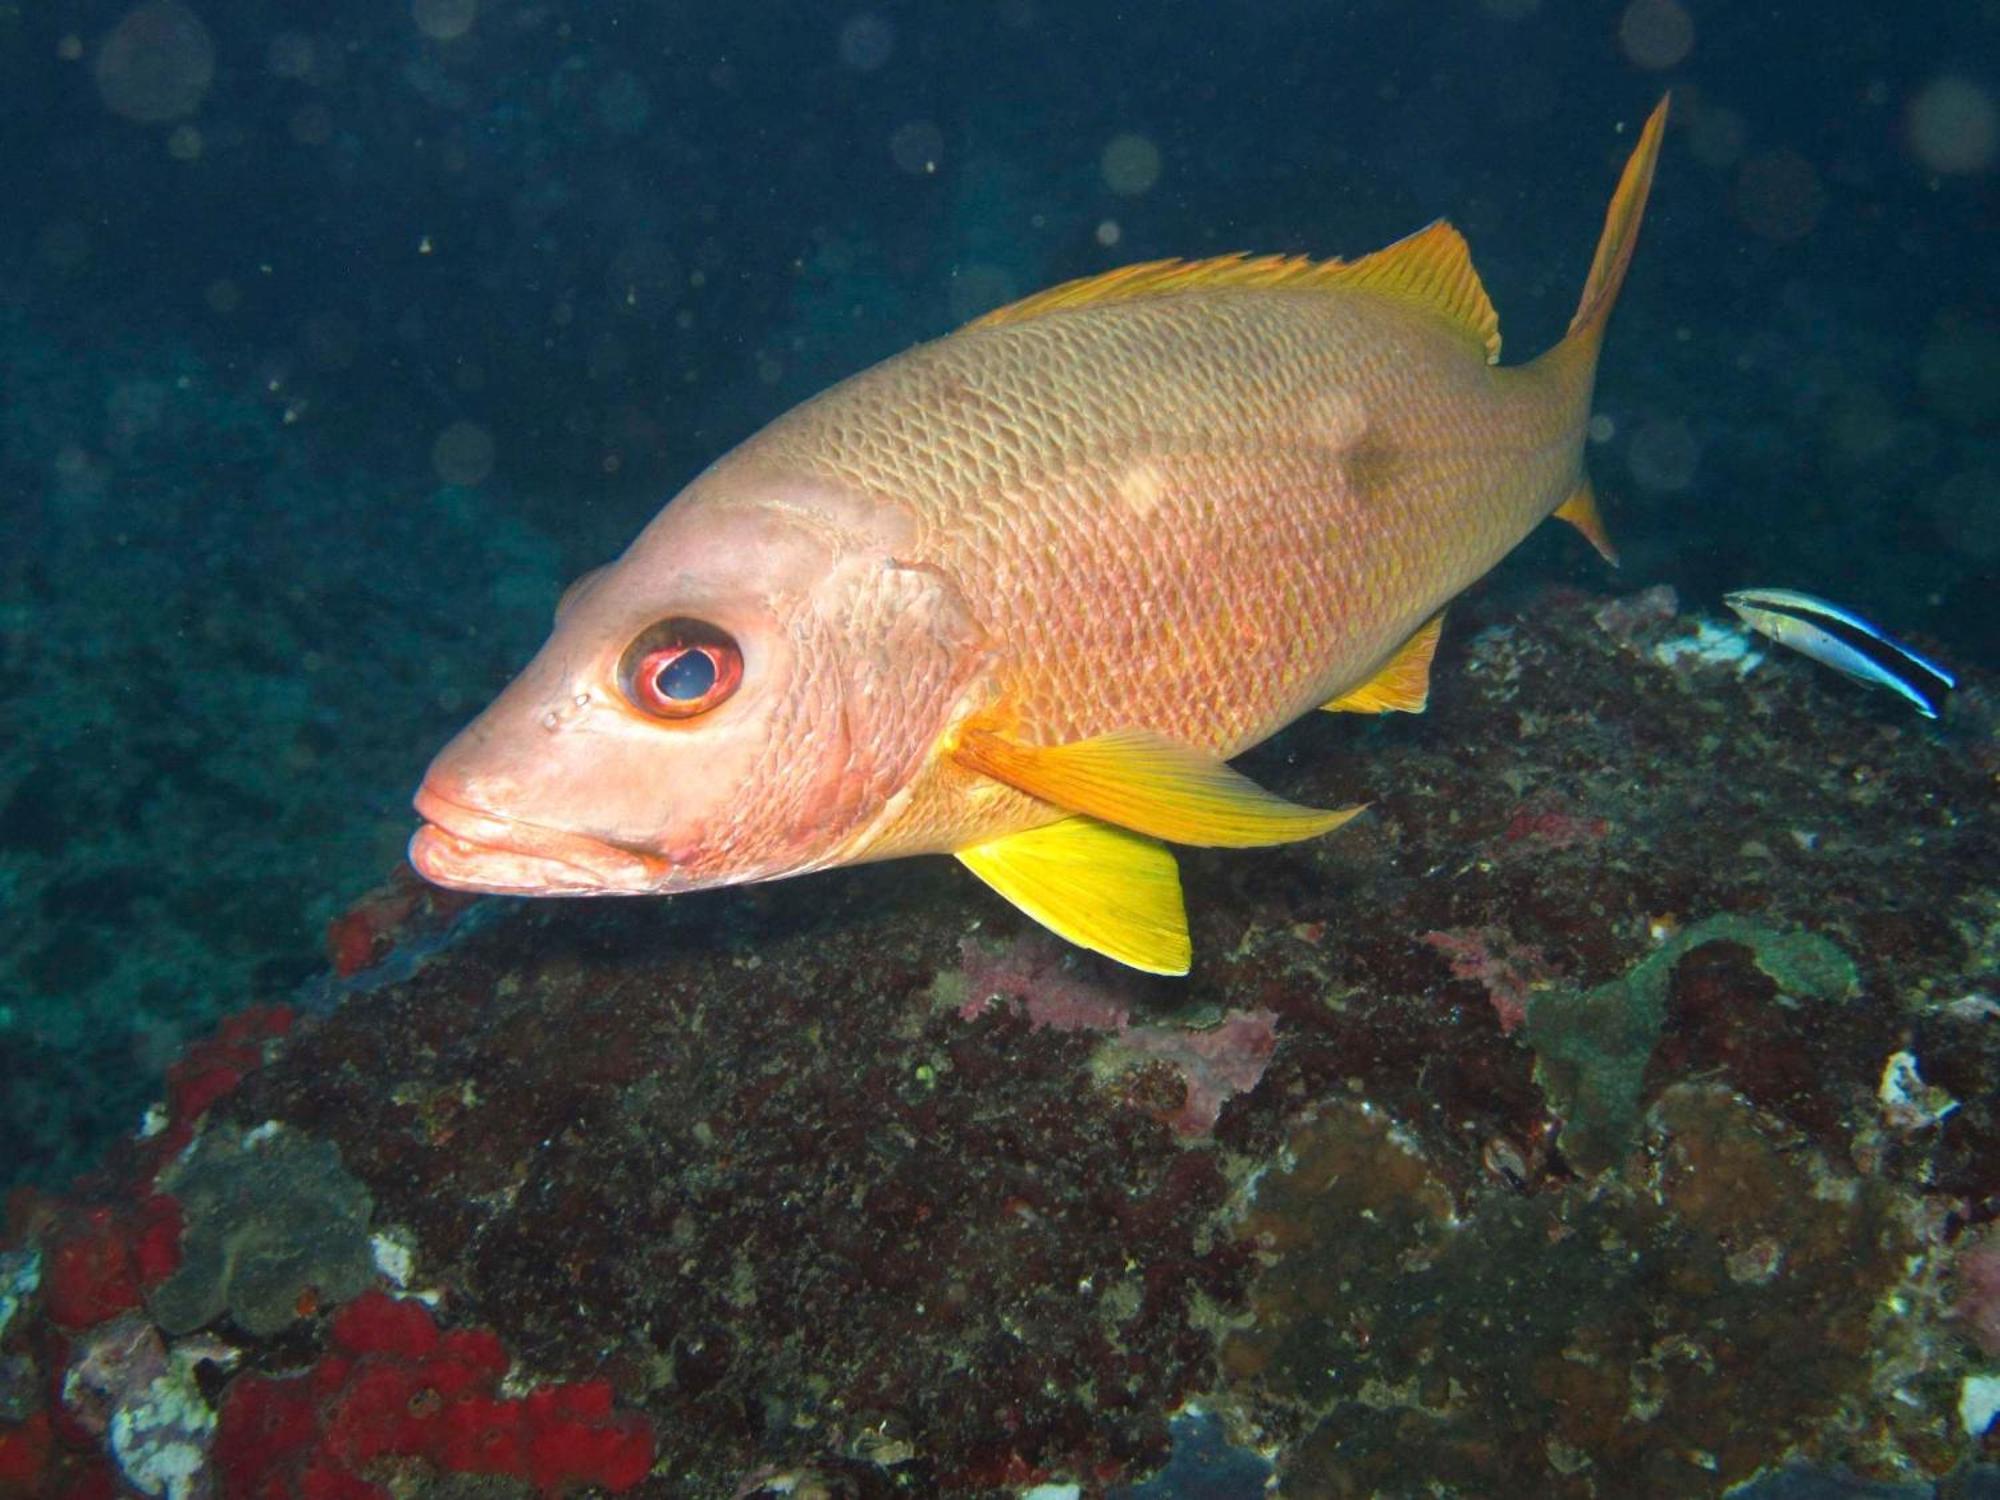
(1404, 683)
(1621, 233)
(1102, 888)
(1149, 784)
(1571, 367)
(1580, 510)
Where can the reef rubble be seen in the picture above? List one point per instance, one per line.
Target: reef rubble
(1614, 1110)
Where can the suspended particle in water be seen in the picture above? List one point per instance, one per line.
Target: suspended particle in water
(977, 289)
(1965, 509)
(1778, 195)
(64, 245)
(312, 124)
(289, 55)
(917, 147)
(866, 42)
(444, 20)
(1958, 372)
(156, 64)
(644, 277)
(1953, 128)
(1655, 34)
(624, 104)
(463, 454)
(1715, 134)
(1663, 454)
(1130, 165)
(331, 340)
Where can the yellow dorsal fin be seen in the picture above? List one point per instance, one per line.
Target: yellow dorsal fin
(1102, 888)
(1431, 268)
(1159, 278)
(1150, 784)
(1404, 683)
(1580, 510)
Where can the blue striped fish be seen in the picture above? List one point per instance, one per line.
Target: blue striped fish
(1841, 639)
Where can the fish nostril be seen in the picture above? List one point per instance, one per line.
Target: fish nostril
(570, 709)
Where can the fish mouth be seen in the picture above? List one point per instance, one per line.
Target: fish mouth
(471, 849)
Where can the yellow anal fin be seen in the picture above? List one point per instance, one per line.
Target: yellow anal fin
(1404, 684)
(1580, 510)
(1431, 269)
(1102, 888)
(1150, 784)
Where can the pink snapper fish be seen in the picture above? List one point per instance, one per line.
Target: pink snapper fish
(1019, 594)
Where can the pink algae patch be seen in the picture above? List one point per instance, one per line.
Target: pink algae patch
(1218, 1063)
(1509, 972)
(1977, 1273)
(1058, 990)
(1047, 979)
(1548, 826)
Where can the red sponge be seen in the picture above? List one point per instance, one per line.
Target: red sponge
(393, 1387)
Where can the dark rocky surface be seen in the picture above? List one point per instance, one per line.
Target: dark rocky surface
(1635, 1095)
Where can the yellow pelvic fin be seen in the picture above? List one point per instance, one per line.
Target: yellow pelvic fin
(1621, 233)
(1580, 510)
(1150, 784)
(1404, 683)
(1102, 888)
(1431, 268)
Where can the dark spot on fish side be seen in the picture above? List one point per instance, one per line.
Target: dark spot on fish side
(1373, 462)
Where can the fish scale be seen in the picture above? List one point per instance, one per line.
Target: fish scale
(1019, 489)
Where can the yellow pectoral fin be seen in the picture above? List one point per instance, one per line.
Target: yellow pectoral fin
(1102, 888)
(1150, 784)
(1404, 684)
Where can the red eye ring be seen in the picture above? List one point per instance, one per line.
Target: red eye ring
(681, 669)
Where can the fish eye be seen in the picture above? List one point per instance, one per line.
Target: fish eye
(679, 669)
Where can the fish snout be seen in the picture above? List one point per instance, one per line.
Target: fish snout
(469, 847)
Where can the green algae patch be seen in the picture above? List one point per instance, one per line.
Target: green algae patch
(272, 1216)
(1592, 1047)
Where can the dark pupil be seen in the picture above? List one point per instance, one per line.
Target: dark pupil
(686, 677)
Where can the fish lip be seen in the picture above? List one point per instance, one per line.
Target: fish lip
(474, 849)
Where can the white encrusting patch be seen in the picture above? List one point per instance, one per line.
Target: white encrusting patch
(1711, 645)
(1142, 489)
